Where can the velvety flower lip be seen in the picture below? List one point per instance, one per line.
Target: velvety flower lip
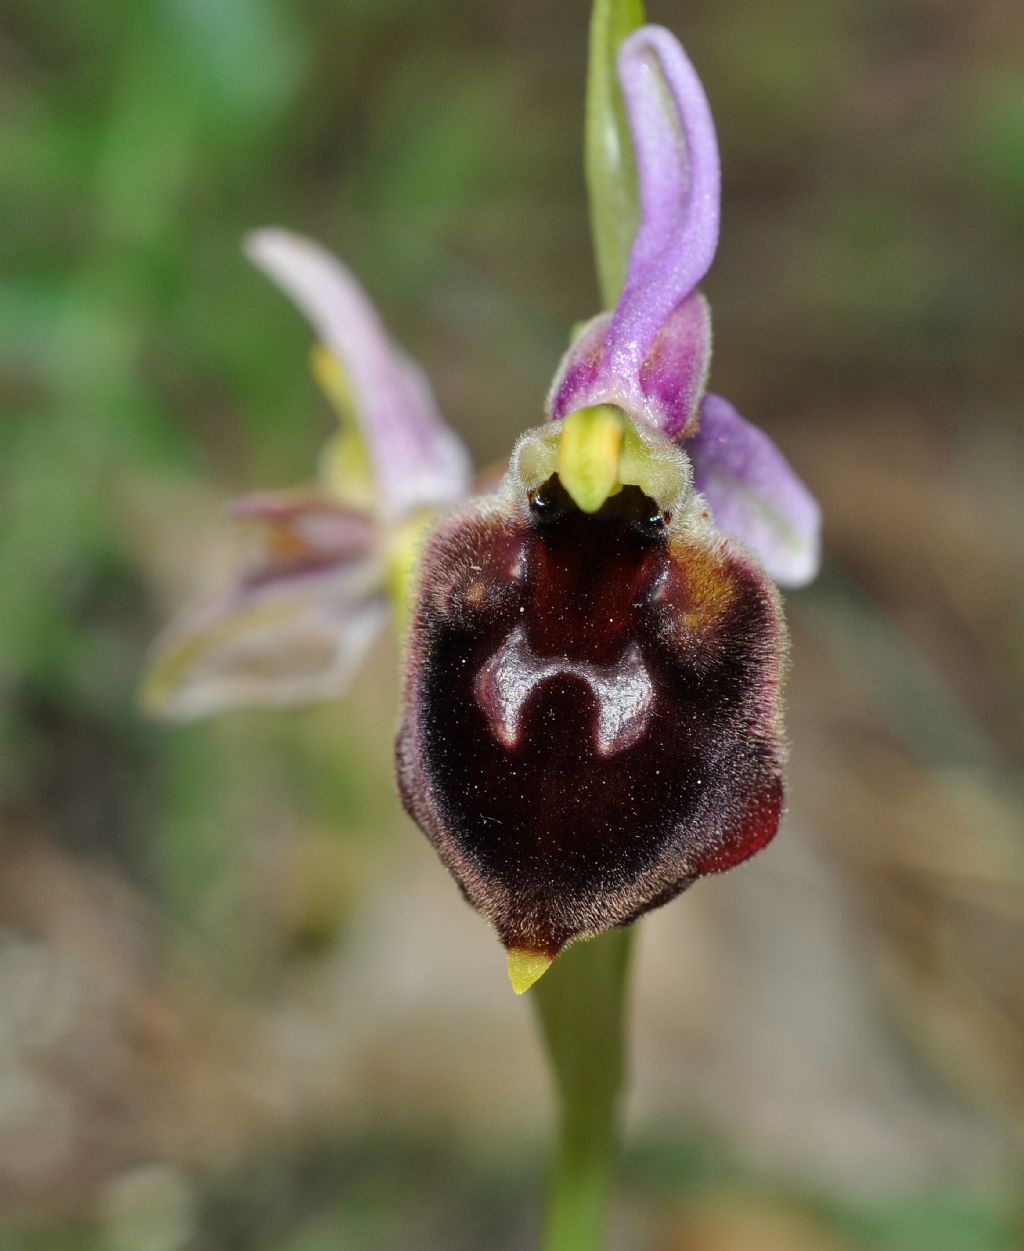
(591, 714)
(417, 461)
(650, 356)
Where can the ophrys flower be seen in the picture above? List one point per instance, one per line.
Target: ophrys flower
(591, 714)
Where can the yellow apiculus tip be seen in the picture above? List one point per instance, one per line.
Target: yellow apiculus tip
(589, 448)
(526, 967)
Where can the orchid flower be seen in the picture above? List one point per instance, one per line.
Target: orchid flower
(591, 714)
(295, 627)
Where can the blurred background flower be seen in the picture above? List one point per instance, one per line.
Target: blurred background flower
(220, 1024)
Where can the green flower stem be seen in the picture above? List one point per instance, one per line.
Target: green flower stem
(608, 149)
(581, 1000)
(580, 1006)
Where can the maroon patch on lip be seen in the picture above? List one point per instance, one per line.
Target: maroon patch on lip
(757, 832)
(591, 714)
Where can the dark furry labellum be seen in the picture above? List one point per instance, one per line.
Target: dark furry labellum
(591, 716)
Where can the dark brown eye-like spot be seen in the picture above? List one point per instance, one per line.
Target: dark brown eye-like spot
(541, 502)
(602, 727)
(549, 501)
(653, 520)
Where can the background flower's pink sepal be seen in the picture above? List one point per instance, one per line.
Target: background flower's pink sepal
(754, 494)
(306, 528)
(417, 461)
(293, 630)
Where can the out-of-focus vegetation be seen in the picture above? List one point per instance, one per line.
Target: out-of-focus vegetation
(220, 1020)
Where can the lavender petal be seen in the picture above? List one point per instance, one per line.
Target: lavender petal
(418, 462)
(679, 184)
(650, 356)
(754, 494)
(663, 390)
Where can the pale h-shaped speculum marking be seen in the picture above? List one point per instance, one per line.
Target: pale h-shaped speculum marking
(622, 690)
